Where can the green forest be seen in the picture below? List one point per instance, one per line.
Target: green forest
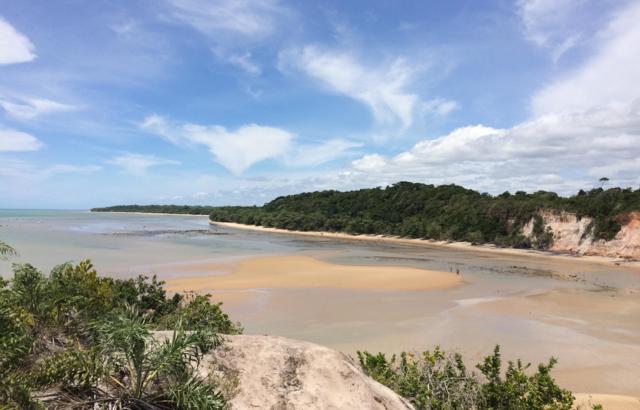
(159, 209)
(413, 210)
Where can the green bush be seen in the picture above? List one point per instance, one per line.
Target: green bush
(198, 313)
(88, 339)
(435, 380)
(519, 391)
(431, 380)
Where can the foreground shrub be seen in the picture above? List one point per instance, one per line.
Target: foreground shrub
(197, 313)
(431, 380)
(91, 341)
(435, 380)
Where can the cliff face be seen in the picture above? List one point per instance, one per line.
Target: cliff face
(283, 374)
(569, 235)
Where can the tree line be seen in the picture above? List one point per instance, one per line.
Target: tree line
(446, 212)
(414, 210)
(159, 209)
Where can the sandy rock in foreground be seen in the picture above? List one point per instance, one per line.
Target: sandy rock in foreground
(284, 374)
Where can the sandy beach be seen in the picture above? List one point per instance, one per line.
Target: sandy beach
(305, 272)
(427, 242)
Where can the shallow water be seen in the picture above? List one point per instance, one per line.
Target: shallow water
(585, 313)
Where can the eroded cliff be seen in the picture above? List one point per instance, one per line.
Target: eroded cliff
(574, 235)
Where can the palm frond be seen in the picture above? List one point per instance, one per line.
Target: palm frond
(194, 393)
(6, 251)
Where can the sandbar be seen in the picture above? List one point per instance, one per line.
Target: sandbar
(306, 272)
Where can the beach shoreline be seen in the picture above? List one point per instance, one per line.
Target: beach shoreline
(486, 248)
(432, 243)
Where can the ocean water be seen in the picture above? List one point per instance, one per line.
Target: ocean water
(126, 244)
(590, 319)
(123, 244)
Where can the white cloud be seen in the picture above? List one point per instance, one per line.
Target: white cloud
(29, 108)
(17, 170)
(567, 44)
(585, 126)
(550, 24)
(235, 150)
(13, 140)
(249, 18)
(370, 162)
(440, 106)
(243, 61)
(556, 151)
(239, 149)
(232, 27)
(610, 76)
(138, 164)
(383, 88)
(14, 46)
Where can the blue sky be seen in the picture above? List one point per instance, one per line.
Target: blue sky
(236, 102)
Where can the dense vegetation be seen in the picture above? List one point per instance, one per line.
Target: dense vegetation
(74, 339)
(435, 380)
(447, 212)
(159, 209)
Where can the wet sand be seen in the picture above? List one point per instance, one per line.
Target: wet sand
(305, 272)
(593, 329)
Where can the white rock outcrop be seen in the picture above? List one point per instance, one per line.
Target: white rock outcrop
(284, 374)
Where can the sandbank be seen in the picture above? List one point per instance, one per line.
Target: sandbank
(305, 272)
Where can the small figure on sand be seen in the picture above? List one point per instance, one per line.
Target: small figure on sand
(457, 271)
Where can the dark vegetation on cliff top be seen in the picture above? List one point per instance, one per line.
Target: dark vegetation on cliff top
(446, 212)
